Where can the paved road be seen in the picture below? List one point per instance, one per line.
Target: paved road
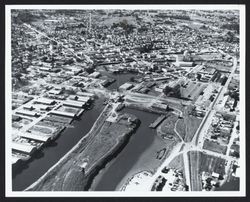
(197, 141)
(58, 42)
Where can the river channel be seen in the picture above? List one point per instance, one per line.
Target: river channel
(110, 177)
(43, 160)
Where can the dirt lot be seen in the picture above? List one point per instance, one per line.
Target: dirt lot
(212, 164)
(194, 164)
(181, 128)
(200, 162)
(192, 90)
(188, 126)
(177, 163)
(166, 128)
(214, 146)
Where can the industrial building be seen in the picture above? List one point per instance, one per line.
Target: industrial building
(160, 106)
(73, 103)
(126, 86)
(40, 138)
(27, 113)
(66, 114)
(27, 149)
(45, 101)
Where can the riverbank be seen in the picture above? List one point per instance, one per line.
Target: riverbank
(153, 157)
(67, 174)
(26, 174)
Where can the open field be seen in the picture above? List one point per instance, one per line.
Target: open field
(214, 146)
(192, 90)
(194, 164)
(177, 163)
(200, 162)
(181, 128)
(166, 128)
(188, 126)
(192, 124)
(212, 164)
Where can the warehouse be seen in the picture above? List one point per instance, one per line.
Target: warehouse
(73, 103)
(27, 113)
(126, 86)
(160, 106)
(44, 101)
(91, 95)
(15, 159)
(66, 114)
(79, 98)
(36, 137)
(27, 149)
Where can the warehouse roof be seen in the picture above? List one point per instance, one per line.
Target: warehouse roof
(23, 147)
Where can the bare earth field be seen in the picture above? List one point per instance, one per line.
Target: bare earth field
(188, 126)
(194, 164)
(200, 162)
(177, 163)
(214, 146)
(166, 128)
(212, 164)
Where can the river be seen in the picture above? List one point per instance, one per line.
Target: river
(110, 177)
(43, 160)
(120, 78)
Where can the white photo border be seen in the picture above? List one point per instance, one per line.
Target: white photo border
(8, 89)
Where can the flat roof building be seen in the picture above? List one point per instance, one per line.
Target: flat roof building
(126, 86)
(60, 113)
(73, 103)
(15, 159)
(95, 74)
(46, 101)
(85, 94)
(160, 106)
(27, 149)
(36, 137)
(79, 98)
(27, 113)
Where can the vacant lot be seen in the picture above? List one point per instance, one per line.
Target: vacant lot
(177, 163)
(192, 124)
(214, 146)
(192, 90)
(188, 126)
(212, 164)
(181, 128)
(200, 162)
(166, 128)
(194, 165)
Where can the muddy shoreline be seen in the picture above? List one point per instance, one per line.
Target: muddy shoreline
(45, 184)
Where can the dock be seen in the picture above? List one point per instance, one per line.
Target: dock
(157, 122)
